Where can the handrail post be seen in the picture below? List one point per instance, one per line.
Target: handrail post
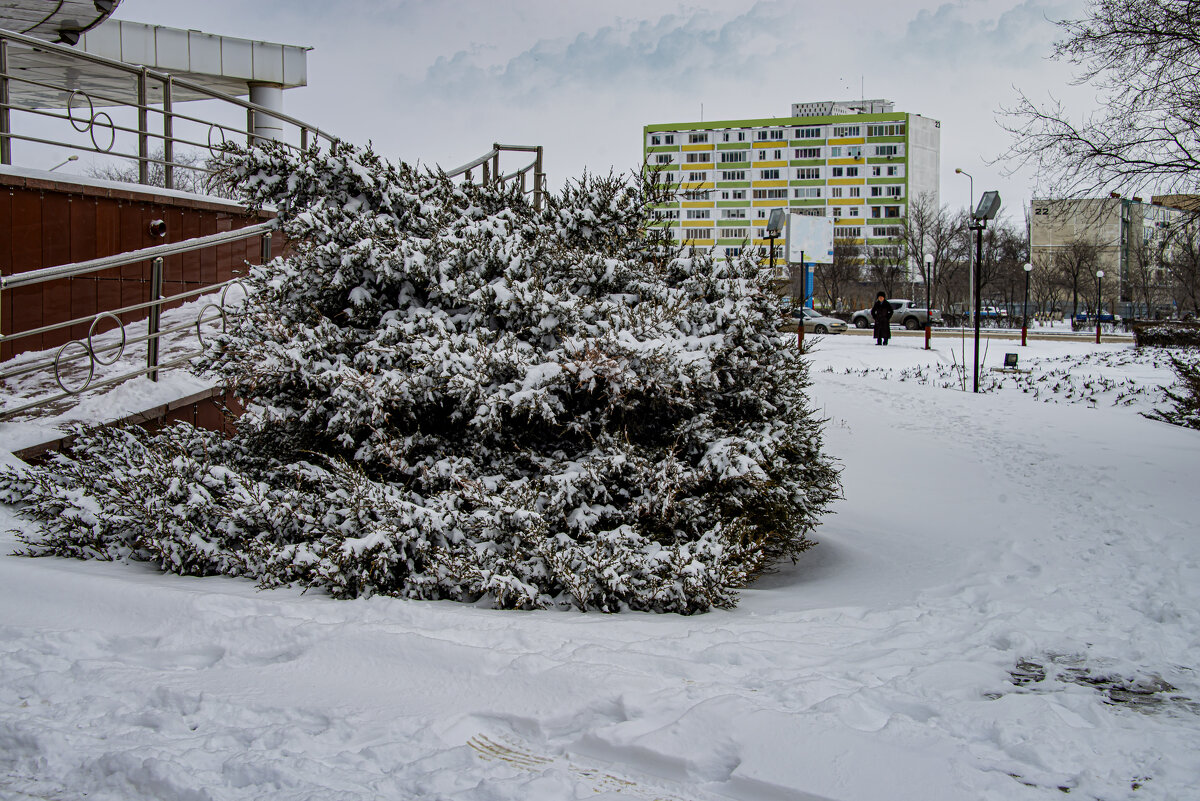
(303, 138)
(5, 117)
(249, 127)
(156, 279)
(496, 162)
(538, 178)
(266, 247)
(487, 178)
(143, 130)
(168, 136)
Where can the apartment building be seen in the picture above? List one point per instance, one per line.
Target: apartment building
(1121, 231)
(859, 162)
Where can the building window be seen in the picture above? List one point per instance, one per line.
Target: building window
(835, 191)
(894, 191)
(762, 155)
(725, 136)
(733, 252)
(734, 155)
(778, 155)
(842, 131)
(808, 173)
(838, 172)
(697, 138)
(807, 191)
(663, 158)
(808, 133)
(733, 214)
(893, 171)
(886, 231)
(770, 194)
(856, 191)
(733, 233)
(697, 176)
(741, 136)
(760, 136)
(733, 175)
(817, 211)
(655, 140)
(776, 135)
(886, 150)
(697, 233)
(849, 232)
(669, 139)
(854, 152)
(693, 158)
(770, 175)
(890, 129)
(807, 153)
(876, 191)
(891, 211)
(739, 194)
(837, 212)
(877, 211)
(696, 195)
(876, 172)
(852, 172)
(835, 152)
(666, 214)
(699, 214)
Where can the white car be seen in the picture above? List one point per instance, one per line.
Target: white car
(816, 323)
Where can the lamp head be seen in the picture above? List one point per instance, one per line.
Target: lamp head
(928, 259)
(1028, 267)
(1099, 273)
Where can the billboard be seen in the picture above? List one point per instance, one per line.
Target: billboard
(812, 236)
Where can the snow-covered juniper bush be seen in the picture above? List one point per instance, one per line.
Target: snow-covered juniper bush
(450, 394)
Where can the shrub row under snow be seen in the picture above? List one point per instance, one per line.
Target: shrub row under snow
(452, 395)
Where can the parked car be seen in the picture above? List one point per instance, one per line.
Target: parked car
(904, 312)
(1105, 317)
(992, 312)
(817, 323)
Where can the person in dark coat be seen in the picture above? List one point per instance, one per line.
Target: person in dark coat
(881, 313)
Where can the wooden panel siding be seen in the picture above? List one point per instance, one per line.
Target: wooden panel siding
(44, 223)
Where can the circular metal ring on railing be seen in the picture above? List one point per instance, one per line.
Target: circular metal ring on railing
(225, 292)
(58, 368)
(200, 319)
(91, 345)
(221, 130)
(112, 132)
(71, 111)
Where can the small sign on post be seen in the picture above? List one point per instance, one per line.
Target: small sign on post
(1010, 360)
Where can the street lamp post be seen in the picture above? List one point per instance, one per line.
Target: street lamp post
(1025, 312)
(69, 159)
(1099, 300)
(989, 207)
(928, 307)
(970, 268)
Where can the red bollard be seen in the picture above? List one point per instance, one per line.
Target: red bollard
(1024, 335)
(928, 334)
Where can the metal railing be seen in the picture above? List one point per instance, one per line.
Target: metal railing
(68, 358)
(156, 130)
(490, 164)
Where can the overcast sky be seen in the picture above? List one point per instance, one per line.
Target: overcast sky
(437, 81)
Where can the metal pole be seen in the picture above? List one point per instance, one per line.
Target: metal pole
(1099, 301)
(250, 127)
(803, 298)
(928, 306)
(978, 307)
(156, 277)
(1025, 313)
(303, 138)
(496, 163)
(168, 137)
(538, 179)
(266, 247)
(143, 132)
(5, 118)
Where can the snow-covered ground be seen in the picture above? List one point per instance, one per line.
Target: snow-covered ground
(1006, 605)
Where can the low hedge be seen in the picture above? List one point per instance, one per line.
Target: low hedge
(1170, 334)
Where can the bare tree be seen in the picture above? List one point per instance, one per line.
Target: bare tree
(1144, 267)
(1045, 283)
(887, 265)
(834, 280)
(1183, 267)
(1075, 262)
(1143, 58)
(932, 231)
(190, 173)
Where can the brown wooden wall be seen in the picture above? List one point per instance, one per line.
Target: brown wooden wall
(44, 223)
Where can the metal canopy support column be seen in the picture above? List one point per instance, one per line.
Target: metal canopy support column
(143, 137)
(5, 117)
(168, 136)
(538, 179)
